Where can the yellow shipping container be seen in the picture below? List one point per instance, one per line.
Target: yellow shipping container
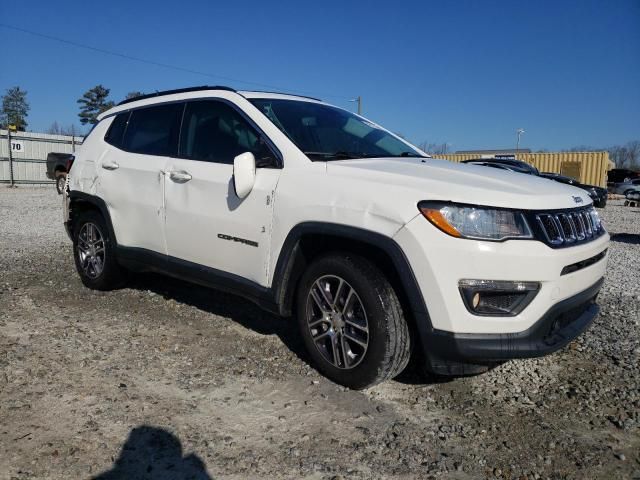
(587, 167)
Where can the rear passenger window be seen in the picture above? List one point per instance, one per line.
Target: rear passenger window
(154, 130)
(213, 131)
(116, 130)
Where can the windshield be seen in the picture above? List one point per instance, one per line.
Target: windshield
(323, 132)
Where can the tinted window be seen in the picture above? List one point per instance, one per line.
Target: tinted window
(116, 130)
(215, 132)
(154, 130)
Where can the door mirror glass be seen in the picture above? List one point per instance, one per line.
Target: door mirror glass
(244, 173)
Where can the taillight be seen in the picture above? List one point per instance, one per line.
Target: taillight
(70, 162)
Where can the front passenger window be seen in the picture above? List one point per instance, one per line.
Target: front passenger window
(213, 131)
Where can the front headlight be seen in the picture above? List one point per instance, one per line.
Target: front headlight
(480, 223)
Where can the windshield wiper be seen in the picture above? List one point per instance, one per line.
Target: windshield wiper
(333, 155)
(342, 155)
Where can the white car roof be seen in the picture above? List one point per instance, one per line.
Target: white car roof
(199, 92)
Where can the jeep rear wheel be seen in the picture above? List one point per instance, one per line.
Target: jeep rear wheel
(94, 253)
(351, 321)
(61, 179)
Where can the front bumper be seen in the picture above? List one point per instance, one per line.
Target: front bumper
(458, 342)
(562, 323)
(439, 262)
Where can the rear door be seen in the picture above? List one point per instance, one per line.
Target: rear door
(206, 222)
(131, 179)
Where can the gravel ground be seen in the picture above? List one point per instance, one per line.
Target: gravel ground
(167, 380)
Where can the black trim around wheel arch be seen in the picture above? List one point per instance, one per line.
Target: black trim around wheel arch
(285, 267)
(562, 323)
(100, 204)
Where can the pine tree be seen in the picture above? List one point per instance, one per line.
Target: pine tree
(133, 94)
(93, 103)
(15, 109)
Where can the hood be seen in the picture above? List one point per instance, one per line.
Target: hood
(417, 179)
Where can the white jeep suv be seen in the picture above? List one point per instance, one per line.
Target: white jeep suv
(312, 211)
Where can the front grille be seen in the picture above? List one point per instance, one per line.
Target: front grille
(567, 227)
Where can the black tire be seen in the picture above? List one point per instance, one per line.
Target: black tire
(61, 179)
(601, 203)
(389, 346)
(111, 275)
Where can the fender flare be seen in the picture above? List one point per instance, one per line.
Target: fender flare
(81, 197)
(285, 275)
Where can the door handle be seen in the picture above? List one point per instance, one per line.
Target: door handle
(110, 166)
(180, 176)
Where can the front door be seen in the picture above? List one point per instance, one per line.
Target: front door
(206, 222)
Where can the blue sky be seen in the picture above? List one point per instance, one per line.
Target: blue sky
(468, 73)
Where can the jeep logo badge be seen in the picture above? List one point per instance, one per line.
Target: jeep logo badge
(577, 199)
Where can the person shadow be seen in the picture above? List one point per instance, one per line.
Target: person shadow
(153, 453)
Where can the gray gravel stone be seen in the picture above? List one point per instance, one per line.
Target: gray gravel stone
(85, 376)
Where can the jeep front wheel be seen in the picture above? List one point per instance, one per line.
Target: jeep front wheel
(351, 321)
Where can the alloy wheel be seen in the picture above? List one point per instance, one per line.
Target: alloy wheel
(60, 183)
(91, 250)
(337, 321)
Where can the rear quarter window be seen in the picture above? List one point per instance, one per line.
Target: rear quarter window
(116, 130)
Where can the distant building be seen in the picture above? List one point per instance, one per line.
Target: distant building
(586, 167)
(491, 153)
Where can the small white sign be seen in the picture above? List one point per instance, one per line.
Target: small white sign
(17, 146)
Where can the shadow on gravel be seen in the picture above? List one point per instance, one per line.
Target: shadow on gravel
(154, 453)
(236, 308)
(253, 317)
(632, 238)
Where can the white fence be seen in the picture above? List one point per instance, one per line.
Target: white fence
(25, 159)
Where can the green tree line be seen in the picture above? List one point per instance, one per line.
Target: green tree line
(15, 109)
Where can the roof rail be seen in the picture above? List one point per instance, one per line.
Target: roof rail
(178, 90)
(284, 93)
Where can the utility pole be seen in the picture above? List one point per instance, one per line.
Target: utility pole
(519, 132)
(358, 99)
(11, 180)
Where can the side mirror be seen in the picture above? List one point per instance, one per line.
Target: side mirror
(244, 173)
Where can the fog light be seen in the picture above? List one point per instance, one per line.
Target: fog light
(476, 300)
(497, 298)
